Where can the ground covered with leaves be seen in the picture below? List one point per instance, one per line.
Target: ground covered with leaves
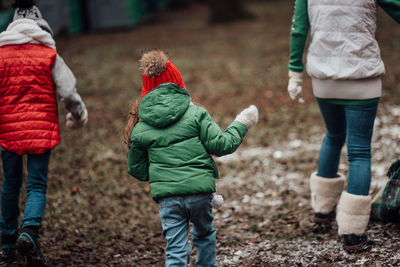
(97, 215)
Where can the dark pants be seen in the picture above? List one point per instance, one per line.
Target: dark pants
(36, 187)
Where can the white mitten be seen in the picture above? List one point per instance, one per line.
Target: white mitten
(248, 116)
(218, 201)
(295, 86)
(73, 123)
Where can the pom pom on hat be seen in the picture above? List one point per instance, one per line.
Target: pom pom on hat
(153, 63)
(23, 3)
(158, 69)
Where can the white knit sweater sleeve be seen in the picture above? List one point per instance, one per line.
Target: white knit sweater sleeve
(65, 85)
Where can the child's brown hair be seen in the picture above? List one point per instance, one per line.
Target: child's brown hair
(133, 118)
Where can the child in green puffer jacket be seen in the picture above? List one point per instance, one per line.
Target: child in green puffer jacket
(170, 142)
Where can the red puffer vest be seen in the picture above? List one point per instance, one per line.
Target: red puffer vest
(28, 103)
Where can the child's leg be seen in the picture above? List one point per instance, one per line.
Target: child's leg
(203, 232)
(12, 168)
(36, 187)
(28, 244)
(175, 224)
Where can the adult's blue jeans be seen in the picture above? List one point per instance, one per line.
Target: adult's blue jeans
(354, 123)
(36, 187)
(176, 213)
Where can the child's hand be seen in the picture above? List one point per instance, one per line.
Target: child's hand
(248, 116)
(73, 123)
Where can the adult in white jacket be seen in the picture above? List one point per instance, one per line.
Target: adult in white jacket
(345, 65)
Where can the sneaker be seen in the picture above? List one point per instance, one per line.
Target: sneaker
(355, 243)
(8, 250)
(29, 247)
(323, 218)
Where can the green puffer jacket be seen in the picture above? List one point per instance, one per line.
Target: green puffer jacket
(172, 143)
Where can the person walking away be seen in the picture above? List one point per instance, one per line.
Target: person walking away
(171, 141)
(346, 68)
(31, 74)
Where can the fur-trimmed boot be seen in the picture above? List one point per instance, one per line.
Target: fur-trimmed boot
(353, 214)
(325, 193)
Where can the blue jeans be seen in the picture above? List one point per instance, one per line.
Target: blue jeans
(175, 213)
(356, 123)
(36, 186)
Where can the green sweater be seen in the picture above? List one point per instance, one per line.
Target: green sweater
(172, 143)
(299, 32)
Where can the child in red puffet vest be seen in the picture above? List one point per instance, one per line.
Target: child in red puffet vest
(31, 74)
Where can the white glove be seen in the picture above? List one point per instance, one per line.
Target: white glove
(73, 123)
(218, 201)
(248, 116)
(295, 86)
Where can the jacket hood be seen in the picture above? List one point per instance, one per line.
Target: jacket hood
(164, 105)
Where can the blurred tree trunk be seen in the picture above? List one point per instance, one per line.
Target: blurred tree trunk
(228, 10)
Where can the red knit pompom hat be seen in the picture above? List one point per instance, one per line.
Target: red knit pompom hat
(157, 69)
